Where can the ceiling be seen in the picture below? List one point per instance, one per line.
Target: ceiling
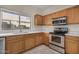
(42, 7)
(24, 7)
(34, 8)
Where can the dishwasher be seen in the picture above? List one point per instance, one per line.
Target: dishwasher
(2, 45)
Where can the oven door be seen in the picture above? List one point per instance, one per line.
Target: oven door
(57, 40)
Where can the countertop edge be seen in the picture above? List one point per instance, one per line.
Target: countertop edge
(13, 34)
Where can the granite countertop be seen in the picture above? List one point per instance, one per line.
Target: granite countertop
(12, 34)
(73, 34)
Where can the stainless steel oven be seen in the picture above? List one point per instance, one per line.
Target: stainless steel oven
(57, 40)
(56, 43)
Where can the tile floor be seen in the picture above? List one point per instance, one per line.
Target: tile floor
(42, 49)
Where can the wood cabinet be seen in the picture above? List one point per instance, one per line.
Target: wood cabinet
(19, 43)
(42, 38)
(60, 13)
(72, 44)
(45, 38)
(29, 41)
(14, 44)
(73, 15)
(38, 20)
(38, 39)
(47, 20)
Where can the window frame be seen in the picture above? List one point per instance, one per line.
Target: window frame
(25, 22)
(16, 13)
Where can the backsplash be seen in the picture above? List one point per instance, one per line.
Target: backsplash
(47, 28)
(73, 28)
(33, 29)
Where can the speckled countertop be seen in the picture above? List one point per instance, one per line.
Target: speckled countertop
(73, 34)
(11, 34)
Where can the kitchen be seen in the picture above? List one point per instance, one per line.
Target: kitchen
(25, 28)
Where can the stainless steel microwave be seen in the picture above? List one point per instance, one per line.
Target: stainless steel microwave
(59, 21)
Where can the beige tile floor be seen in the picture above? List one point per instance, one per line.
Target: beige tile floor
(42, 49)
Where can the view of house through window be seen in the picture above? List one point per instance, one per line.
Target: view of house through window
(12, 21)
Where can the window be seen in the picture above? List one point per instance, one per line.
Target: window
(24, 22)
(13, 21)
(10, 21)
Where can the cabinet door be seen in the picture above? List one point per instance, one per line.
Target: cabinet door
(47, 20)
(73, 15)
(61, 13)
(72, 44)
(72, 47)
(29, 42)
(45, 38)
(15, 47)
(38, 20)
(38, 39)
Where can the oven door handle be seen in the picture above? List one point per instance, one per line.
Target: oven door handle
(56, 35)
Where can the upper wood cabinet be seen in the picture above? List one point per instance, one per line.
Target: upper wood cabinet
(38, 20)
(60, 13)
(47, 20)
(73, 15)
(72, 45)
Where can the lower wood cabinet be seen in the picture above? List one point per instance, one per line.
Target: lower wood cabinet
(45, 38)
(20, 43)
(29, 42)
(72, 45)
(38, 39)
(14, 46)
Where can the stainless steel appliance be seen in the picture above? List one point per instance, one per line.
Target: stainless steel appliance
(2, 45)
(59, 21)
(56, 38)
